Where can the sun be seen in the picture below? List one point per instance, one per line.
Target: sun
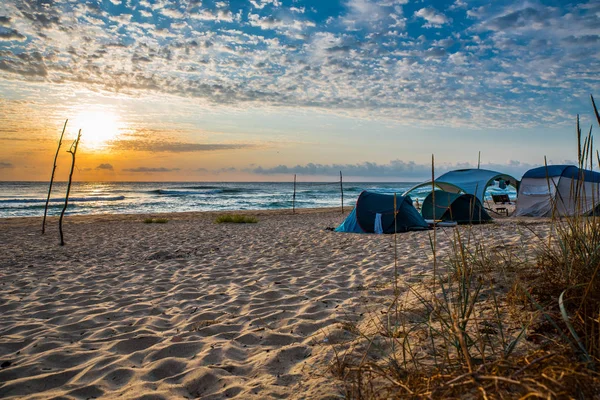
(98, 127)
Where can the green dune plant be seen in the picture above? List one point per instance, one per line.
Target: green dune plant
(236, 219)
(156, 220)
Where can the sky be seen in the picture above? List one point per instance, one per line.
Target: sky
(259, 90)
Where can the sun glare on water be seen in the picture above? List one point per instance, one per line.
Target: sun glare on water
(98, 128)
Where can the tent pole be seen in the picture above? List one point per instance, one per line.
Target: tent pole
(479, 160)
(395, 250)
(294, 197)
(434, 219)
(342, 191)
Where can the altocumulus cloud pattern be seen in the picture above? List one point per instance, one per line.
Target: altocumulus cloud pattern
(458, 62)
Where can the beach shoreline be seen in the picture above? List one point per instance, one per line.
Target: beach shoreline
(29, 199)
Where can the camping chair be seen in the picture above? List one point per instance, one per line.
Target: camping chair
(503, 200)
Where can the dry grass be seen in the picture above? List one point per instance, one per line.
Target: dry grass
(540, 374)
(475, 331)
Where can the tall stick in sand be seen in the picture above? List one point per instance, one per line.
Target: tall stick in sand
(578, 132)
(73, 151)
(52, 178)
(294, 197)
(342, 191)
(395, 248)
(433, 245)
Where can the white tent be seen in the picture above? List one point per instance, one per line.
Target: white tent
(561, 190)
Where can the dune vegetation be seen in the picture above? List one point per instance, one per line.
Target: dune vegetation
(492, 320)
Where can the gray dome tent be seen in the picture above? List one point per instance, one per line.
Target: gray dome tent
(562, 190)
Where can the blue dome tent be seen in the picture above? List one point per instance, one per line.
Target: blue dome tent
(374, 213)
(469, 181)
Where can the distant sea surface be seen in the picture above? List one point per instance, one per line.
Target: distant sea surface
(27, 199)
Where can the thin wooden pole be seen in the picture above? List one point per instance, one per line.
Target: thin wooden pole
(294, 197)
(578, 133)
(395, 251)
(52, 178)
(73, 151)
(342, 191)
(434, 244)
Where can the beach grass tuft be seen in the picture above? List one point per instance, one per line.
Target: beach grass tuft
(156, 220)
(236, 219)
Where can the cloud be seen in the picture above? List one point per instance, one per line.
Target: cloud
(434, 52)
(434, 18)
(582, 40)
(225, 170)
(218, 15)
(4, 165)
(260, 4)
(150, 170)
(172, 13)
(379, 17)
(525, 17)
(458, 58)
(12, 34)
(284, 25)
(121, 19)
(105, 166)
(395, 169)
(520, 67)
(365, 10)
(173, 147)
(41, 14)
(4, 21)
(25, 64)
(458, 4)
(367, 169)
(477, 12)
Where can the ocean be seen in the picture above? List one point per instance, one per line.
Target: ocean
(27, 199)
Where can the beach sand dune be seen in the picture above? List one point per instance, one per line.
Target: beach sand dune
(190, 308)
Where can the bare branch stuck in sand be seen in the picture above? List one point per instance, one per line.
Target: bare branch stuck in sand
(52, 177)
(72, 151)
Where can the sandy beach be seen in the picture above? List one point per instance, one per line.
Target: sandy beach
(191, 308)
